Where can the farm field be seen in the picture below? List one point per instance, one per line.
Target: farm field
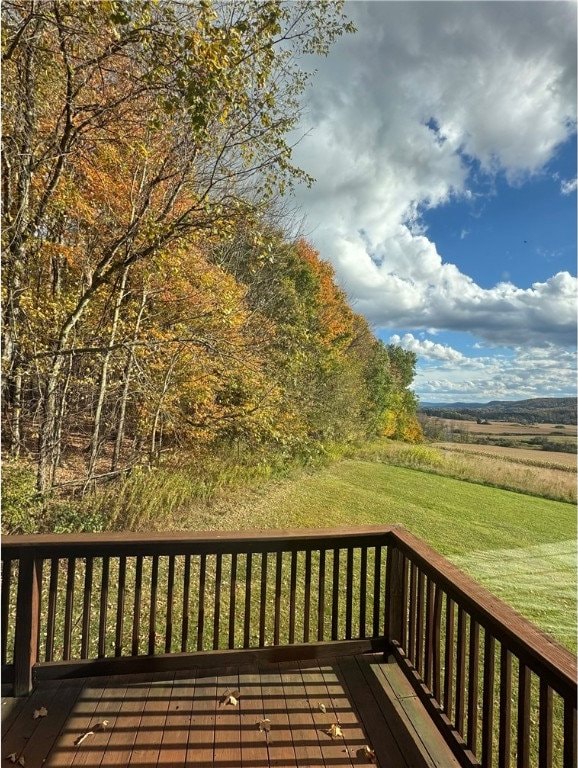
(529, 456)
(507, 428)
(522, 548)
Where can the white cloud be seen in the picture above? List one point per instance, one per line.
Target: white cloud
(569, 186)
(426, 348)
(395, 113)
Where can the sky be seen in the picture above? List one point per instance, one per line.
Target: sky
(442, 136)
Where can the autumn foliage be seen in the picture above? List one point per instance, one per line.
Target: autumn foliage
(149, 304)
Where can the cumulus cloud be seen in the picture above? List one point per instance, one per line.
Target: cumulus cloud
(569, 186)
(525, 373)
(398, 113)
(426, 348)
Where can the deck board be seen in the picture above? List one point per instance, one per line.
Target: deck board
(177, 719)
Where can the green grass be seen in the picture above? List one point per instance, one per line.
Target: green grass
(521, 547)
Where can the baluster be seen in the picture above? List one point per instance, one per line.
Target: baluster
(120, 605)
(437, 616)
(186, 596)
(217, 614)
(376, 591)
(449, 658)
(278, 582)
(363, 592)
(545, 726)
(307, 599)
(321, 594)
(488, 700)
(201, 608)
(68, 608)
(86, 605)
(411, 651)
(103, 608)
(232, 600)
(292, 590)
(247, 620)
(505, 707)
(153, 605)
(51, 620)
(570, 732)
(473, 679)
(263, 605)
(419, 623)
(137, 606)
(6, 582)
(335, 597)
(460, 670)
(404, 601)
(170, 592)
(429, 617)
(524, 693)
(349, 594)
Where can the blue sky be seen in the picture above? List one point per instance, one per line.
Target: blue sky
(443, 140)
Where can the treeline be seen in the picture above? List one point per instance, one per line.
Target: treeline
(546, 410)
(151, 299)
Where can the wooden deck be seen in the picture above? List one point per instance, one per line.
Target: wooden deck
(179, 720)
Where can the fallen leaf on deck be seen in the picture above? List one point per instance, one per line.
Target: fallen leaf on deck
(323, 708)
(21, 760)
(335, 731)
(82, 738)
(264, 725)
(230, 697)
(367, 753)
(100, 726)
(12, 757)
(42, 712)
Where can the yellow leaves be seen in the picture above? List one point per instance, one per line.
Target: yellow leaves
(42, 712)
(335, 731)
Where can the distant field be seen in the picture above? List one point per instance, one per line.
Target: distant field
(537, 458)
(513, 428)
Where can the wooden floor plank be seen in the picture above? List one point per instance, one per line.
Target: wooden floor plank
(303, 730)
(375, 725)
(335, 751)
(202, 730)
(126, 724)
(227, 751)
(281, 750)
(11, 706)
(254, 743)
(175, 737)
(146, 747)
(343, 710)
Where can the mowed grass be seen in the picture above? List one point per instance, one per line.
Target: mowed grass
(521, 547)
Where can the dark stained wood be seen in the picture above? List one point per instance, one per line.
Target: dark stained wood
(86, 606)
(170, 599)
(349, 594)
(146, 746)
(186, 603)
(278, 584)
(419, 627)
(280, 745)
(429, 628)
(153, 605)
(68, 607)
(362, 592)
(394, 594)
(436, 640)
(179, 719)
(103, 609)
(404, 599)
(201, 608)
(524, 700)
(545, 726)
(217, 614)
(570, 734)
(136, 628)
(253, 741)
(488, 700)
(504, 741)
(263, 600)
(292, 591)
(27, 623)
(377, 619)
(321, 597)
(232, 600)
(303, 730)
(227, 749)
(307, 597)
(120, 604)
(473, 684)
(449, 659)
(247, 618)
(335, 597)
(202, 728)
(461, 671)
(5, 606)
(51, 617)
(411, 652)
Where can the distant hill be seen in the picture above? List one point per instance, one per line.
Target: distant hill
(550, 410)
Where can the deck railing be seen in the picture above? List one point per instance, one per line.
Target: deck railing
(501, 691)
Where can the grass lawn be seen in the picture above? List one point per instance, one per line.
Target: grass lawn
(522, 548)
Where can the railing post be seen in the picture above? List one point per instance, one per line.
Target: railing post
(26, 628)
(394, 608)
